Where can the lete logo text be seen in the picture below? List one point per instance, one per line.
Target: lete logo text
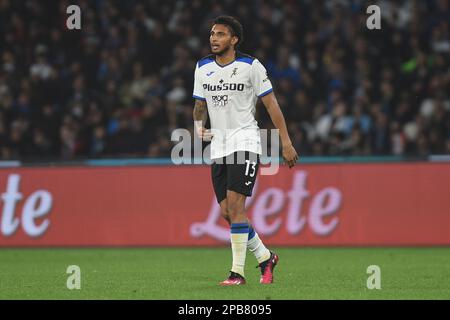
(37, 205)
(270, 202)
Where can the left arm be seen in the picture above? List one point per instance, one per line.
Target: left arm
(272, 107)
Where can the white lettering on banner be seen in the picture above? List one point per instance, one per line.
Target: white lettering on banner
(32, 211)
(10, 198)
(319, 209)
(37, 205)
(295, 222)
(274, 197)
(271, 202)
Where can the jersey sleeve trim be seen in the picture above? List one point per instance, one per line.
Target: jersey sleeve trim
(199, 98)
(265, 93)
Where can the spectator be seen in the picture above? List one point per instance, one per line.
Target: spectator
(118, 86)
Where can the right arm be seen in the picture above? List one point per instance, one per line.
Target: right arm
(200, 112)
(200, 115)
(200, 109)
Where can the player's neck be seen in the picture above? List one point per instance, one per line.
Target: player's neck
(226, 58)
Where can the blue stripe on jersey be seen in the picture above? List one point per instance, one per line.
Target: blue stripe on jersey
(245, 59)
(265, 93)
(199, 98)
(204, 61)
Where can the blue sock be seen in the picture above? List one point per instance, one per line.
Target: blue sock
(251, 232)
(240, 228)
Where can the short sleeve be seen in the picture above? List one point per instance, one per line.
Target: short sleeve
(198, 86)
(260, 79)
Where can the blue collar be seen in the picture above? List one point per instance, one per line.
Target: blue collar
(223, 66)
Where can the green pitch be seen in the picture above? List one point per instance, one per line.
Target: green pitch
(169, 273)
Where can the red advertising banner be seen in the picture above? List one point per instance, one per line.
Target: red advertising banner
(338, 204)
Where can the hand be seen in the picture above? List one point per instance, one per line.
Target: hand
(204, 134)
(290, 155)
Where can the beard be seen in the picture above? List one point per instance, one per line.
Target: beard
(222, 52)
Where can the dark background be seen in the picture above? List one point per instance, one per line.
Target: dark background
(121, 84)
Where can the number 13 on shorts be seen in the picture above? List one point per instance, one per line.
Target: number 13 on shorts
(247, 168)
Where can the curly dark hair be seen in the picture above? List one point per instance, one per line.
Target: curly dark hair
(234, 25)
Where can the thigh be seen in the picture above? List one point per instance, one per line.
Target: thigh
(219, 180)
(241, 175)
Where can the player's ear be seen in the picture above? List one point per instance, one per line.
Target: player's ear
(234, 40)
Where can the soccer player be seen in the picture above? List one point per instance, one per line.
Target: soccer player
(227, 84)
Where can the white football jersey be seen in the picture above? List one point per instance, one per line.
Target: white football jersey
(231, 92)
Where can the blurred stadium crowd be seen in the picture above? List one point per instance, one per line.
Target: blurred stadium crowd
(122, 83)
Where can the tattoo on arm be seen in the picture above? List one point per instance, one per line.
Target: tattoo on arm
(200, 111)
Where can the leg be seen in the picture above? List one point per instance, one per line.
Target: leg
(225, 214)
(266, 259)
(254, 244)
(240, 179)
(231, 184)
(240, 185)
(240, 182)
(239, 230)
(224, 210)
(236, 207)
(219, 179)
